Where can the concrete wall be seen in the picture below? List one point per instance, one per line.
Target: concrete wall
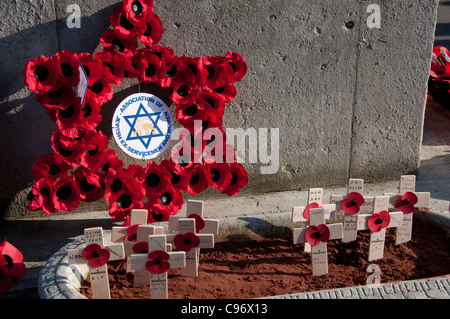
(348, 100)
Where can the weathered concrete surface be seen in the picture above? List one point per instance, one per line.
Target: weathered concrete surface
(348, 100)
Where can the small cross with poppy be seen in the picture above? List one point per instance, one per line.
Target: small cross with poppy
(96, 254)
(317, 234)
(406, 201)
(301, 213)
(352, 204)
(134, 237)
(377, 222)
(194, 209)
(157, 261)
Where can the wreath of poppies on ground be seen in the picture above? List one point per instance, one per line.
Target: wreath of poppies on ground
(83, 168)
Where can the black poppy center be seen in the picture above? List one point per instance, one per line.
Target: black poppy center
(157, 261)
(233, 66)
(64, 192)
(118, 45)
(172, 72)
(215, 175)
(95, 254)
(56, 94)
(109, 66)
(86, 70)
(148, 31)
(125, 23)
(157, 217)
(9, 261)
(104, 169)
(45, 191)
(211, 72)
(318, 234)
(97, 87)
(152, 180)
(194, 179)
(406, 201)
(193, 68)
(87, 110)
(116, 185)
(53, 169)
(86, 186)
(165, 199)
(183, 90)
(124, 201)
(136, 7)
(191, 110)
(66, 70)
(187, 241)
(41, 73)
(150, 70)
(211, 102)
(234, 179)
(63, 152)
(353, 203)
(175, 178)
(378, 221)
(219, 90)
(92, 152)
(68, 112)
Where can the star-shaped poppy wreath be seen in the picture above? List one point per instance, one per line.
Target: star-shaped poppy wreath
(82, 167)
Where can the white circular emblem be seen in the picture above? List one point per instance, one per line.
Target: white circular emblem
(142, 126)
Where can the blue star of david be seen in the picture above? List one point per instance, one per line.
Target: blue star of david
(134, 134)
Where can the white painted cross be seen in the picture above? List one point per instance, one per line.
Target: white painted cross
(352, 204)
(301, 213)
(406, 200)
(190, 242)
(377, 222)
(318, 234)
(157, 262)
(96, 254)
(134, 237)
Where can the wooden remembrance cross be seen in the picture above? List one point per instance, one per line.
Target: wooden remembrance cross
(318, 234)
(301, 213)
(407, 185)
(134, 235)
(96, 254)
(157, 262)
(350, 221)
(380, 221)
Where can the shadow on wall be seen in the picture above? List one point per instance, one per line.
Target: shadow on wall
(26, 128)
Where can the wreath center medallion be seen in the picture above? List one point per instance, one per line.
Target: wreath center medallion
(142, 126)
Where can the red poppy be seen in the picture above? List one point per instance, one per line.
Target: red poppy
(215, 104)
(199, 222)
(153, 29)
(42, 74)
(182, 155)
(122, 25)
(70, 73)
(156, 179)
(352, 203)
(70, 149)
(95, 255)
(94, 147)
(168, 202)
(114, 65)
(158, 262)
(183, 92)
(155, 215)
(218, 72)
(121, 181)
(149, 67)
(107, 165)
(102, 90)
(66, 194)
(185, 242)
(312, 205)
(199, 179)
(239, 179)
(63, 96)
(179, 180)
(220, 175)
(88, 184)
(137, 9)
(68, 116)
(90, 112)
(380, 220)
(137, 171)
(49, 166)
(131, 233)
(125, 201)
(120, 45)
(406, 203)
(227, 91)
(140, 248)
(198, 72)
(177, 73)
(440, 63)
(11, 265)
(92, 67)
(238, 65)
(41, 196)
(316, 234)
